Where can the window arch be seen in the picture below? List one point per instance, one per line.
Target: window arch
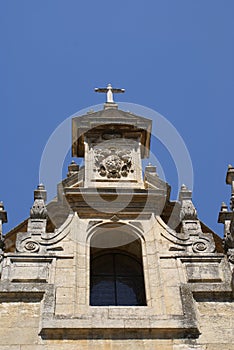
(116, 273)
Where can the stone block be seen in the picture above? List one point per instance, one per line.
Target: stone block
(170, 277)
(203, 272)
(150, 248)
(68, 345)
(173, 304)
(129, 312)
(81, 296)
(157, 344)
(154, 281)
(82, 275)
(29, 272)
(82, 261)
(64, 309)
(152, 262)
(65, 277)
(37, 347)
(64, 295)
(137, 323)
(16, 336)
(211, 308)
(68, 248)
(189, 347)
(168, 263)
(64, 263)
(219, 346)
(81, 248)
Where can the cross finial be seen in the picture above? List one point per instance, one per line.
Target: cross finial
(109, 90)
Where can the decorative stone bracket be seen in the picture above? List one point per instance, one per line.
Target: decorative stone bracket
(191, 225)
(36, 239)
(190, 238)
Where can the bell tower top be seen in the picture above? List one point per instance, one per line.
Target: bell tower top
(113, 143)
(110, 123)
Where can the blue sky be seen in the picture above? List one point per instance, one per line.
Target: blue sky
(173, 56)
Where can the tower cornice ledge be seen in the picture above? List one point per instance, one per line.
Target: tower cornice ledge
(106, 202)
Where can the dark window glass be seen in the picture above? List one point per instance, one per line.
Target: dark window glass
(116, 279)
(102, 290)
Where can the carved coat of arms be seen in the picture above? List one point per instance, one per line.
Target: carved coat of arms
(113, 163)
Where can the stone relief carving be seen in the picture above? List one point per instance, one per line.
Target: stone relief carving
(31, 246)
(113, 163)
(203, 245)
(188, 211)
(190, 242)
(38, 210)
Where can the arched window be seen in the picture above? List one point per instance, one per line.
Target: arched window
(116, 273)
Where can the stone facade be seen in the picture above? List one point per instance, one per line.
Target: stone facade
(107, 206)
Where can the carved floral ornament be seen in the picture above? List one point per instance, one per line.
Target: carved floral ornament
(113, 162)
(38, 210)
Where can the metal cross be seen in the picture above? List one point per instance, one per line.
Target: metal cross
(109, 90)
